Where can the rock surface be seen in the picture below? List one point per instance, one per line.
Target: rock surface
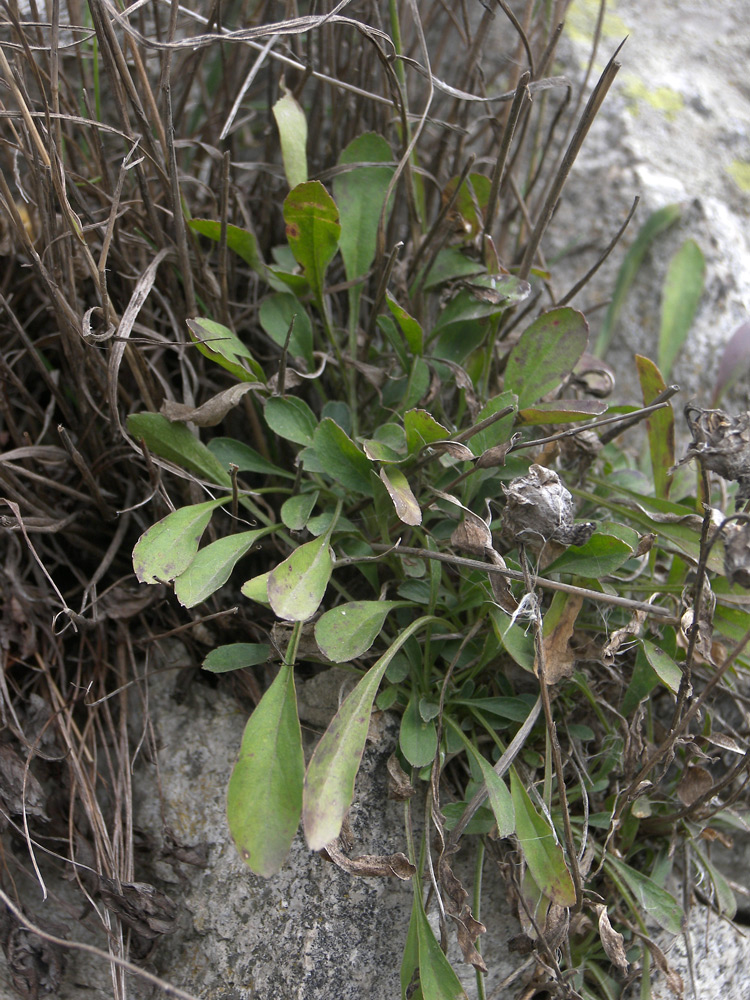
(311, 932)
(673, 129)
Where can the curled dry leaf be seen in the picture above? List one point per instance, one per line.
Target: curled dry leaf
(30, 800)
(725, 742)
(621, 635)
(721, 443)
(213, 411)
(494, 457)
(556, 926)
(400, 787)
(694, 784)
(612, 941)
(594, 376)
(472, 534)
(539, 509)
(36, 965)
(455, 900)
(704, 621)
(737, 553)
(371, 865)
(453, 448)
(148, 910)
(559, 657)
(500, 584)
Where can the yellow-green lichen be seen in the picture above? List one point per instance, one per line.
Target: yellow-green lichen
(663, 99)
(739, 171)
(580, 22)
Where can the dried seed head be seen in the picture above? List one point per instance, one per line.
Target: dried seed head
(539, 509)
(721, 443)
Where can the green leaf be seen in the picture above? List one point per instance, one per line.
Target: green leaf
(236, 656)
(642, 683)
(312, 229)
(276, 314)
(655, 224)
(437, 980)
(518, 643)
(407, 507)
(660, 425)
(417, 738)
(683, 287)
(360, 195)
(297, 586)
(546, 354)
(291, 418)
(329, 782)
(175, 443)
(457, 341)
(660, 905)
(341, 458)
(348, 631)
(264, 797)
(543, 854)
(213, 565)
(602, 554)
(663, 666)
(220, 345)
(296, 511)
(232, 452)
(257, 588)
(499, 798)
(292, 126)
(240, 241)
(500, 431)
(421, 428)
(449, 265)
(168, 547)
(410, 328)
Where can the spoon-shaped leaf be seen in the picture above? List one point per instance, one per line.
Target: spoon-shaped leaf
(329, 782)
(546, 353)
(213, 565)
(168, 547)
(296, 587)
(264, 797)
(345, 632)
(313, 230)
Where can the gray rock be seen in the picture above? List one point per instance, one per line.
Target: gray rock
(673, 129)
(312, 931)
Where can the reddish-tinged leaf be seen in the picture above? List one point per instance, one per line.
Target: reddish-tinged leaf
(546, 354)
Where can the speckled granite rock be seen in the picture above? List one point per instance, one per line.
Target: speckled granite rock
(674, 128)
(310, 933)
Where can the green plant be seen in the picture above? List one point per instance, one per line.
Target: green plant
(401, 563)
